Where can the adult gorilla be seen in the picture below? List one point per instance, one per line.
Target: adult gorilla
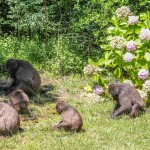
(25, 77)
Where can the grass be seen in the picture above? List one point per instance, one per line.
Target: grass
(101, 132)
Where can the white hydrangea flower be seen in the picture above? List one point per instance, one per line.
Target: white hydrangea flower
(118, 42)
(123, 12)
(143, 94)
(91, 98)
(128, 57)
(90, 70)
(133, 20)
(145, 34)
(128, 82)
(143, 74)
(146, 86)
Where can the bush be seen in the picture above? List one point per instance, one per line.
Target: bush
(127, 51)
(61, 56)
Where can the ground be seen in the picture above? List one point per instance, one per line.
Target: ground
(100, 132)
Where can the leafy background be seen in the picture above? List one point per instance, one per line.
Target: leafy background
(58, 36)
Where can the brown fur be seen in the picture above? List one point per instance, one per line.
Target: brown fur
(19, 100)
(71, 119)
(128, 99)
(9, 119)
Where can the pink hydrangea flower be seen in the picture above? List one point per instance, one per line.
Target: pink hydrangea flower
(128, 57)
(97, 89)
(145, 34)
(143, 74)
(132, 20)
(131, 45)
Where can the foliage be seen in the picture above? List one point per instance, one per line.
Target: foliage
(58, 57)
(125, 64)
(45, 25)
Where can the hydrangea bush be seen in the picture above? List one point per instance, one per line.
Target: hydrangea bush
(127, 52)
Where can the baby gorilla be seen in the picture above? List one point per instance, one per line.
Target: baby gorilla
(71, 119)
(19, 100)
(9, 119)
(128, 99)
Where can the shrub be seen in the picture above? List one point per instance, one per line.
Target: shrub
(127, 33)
(60, 56)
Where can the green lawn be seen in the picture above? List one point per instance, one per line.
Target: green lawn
(100, 132)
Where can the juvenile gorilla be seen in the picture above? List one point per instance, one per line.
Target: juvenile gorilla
(25, 77)
(9, 119)
(71, 119)
(19, 100)
(128, 100)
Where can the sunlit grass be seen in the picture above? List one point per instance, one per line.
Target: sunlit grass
(100, 132)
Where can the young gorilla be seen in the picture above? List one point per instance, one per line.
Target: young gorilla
(9, 119)
(19, 100)
(24, 75)
(71, 119)
(127, 98)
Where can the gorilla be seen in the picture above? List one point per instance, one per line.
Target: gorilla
(25, 77)
(71, 118)
(9, 119)
(128, 99)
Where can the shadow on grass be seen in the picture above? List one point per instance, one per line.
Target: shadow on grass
(47, 94)
(65, 133)
(11, 133)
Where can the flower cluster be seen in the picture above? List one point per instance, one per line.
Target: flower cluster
(128, 57)
(118, 42)
(143, 94)
(131, 45)
(91, 98)
(90, 70)
(143, 74)
(97, 90)
(146, 86)
(128, 82)
(145, 34)
(123, 12)
(132, 20)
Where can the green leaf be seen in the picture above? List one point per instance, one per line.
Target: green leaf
(123, 23)
(138, 42)
(108, 54)
(91, 62)
(110, 29)
(123, 31)
(143, 16)
(101, 62)
(118, 52)
(96, 77)
(114, 20)
(130, 31)
(105, 47)
(114, 63)
(102, 81)
(147, 56)
(137, 31)
(109, 38)
(88, 88)
(108, 62)
(142, 24)
(117, 72)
